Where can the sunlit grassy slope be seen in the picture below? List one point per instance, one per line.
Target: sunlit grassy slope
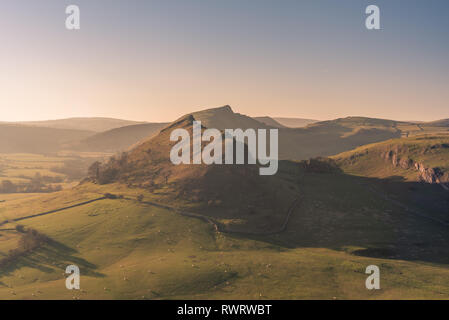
(131, 250)
(430, 150)
(23, 167)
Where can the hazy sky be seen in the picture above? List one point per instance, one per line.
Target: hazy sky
(157, 60)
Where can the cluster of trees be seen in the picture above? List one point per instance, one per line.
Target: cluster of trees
(30, 240)
(102, 174)
(38, 178)
(73, 169)
(320, 165)
(37, 184)
(110, 171)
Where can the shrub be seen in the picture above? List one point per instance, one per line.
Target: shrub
(30, 240)
(20, 228)
(320, 165)
(8, 187)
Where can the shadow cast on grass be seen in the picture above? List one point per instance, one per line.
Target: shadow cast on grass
(378, 218)
(53, 255)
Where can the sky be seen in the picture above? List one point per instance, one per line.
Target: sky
(157, 60)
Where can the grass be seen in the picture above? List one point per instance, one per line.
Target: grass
(22, 168)
(370, 213)
(430, 150)
(58, 171)
(131, 250)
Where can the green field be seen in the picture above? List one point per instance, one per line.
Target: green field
(36, 173)
(131, 250)
(432, 151)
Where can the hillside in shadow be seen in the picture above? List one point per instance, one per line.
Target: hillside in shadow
(383, 218)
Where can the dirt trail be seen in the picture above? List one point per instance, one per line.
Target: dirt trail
(222, 228)
(217, 226)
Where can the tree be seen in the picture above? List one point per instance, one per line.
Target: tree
(8, 187)
(94, 170)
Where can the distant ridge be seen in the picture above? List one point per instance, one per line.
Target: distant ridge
(322, 138)
(294, 122)
(270, 122)
(96, 124)
(17, 138)
(439, 123)
(360, 121)
(118, 139)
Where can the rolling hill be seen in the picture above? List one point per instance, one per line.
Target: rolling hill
(89, 124)
(438, 123)
(118, 139)
(33, 139)
(323, 138)
(269, 122)
(206, 188)
(318, 139)
(280, 122)
(411, 172)
(417, 158)
(294, 122)
(28, 139)
(332, 137)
